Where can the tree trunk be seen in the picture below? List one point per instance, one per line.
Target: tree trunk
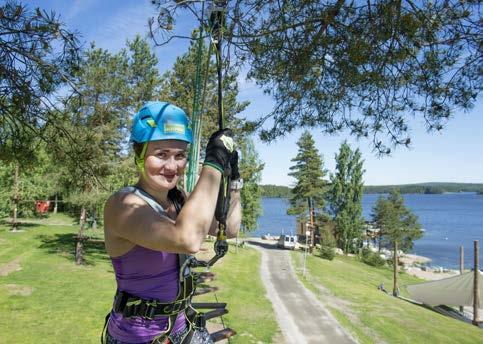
(16, 198)
(94, 219)
(55, 204)
(395, 289)
(79, 249)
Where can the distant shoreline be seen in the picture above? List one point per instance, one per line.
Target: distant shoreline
(281, 191)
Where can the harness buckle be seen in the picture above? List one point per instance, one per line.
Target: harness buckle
(175, 307)
(149, 309)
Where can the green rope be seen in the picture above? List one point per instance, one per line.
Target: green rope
(196, 118)
(198, 104)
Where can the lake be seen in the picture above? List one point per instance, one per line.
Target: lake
(449, 220)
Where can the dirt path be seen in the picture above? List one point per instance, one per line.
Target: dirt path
(301, 317)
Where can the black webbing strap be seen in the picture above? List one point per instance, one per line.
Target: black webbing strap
(132, 306)
(103, 333)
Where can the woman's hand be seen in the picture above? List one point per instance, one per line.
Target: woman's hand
(235, 173)
(219, 150)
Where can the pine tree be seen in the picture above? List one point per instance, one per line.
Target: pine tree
(308, 172)
(39, 56)
(399, 227)
(345, 198)
(250, 172)
(112, 87)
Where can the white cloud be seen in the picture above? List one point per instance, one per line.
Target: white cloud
(78, 7)
(122, 26)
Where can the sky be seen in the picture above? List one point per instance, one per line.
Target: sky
(453, 155)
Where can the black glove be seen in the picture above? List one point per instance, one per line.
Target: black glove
(219, 150)
(235, 173)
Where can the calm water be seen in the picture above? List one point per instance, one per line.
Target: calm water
(450, 220)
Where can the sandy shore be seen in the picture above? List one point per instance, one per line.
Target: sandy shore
(411, 259)
(429, 274)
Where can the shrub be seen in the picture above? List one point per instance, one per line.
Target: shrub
(327, 246)
(327, 252)
(375, 260)
(372, 258)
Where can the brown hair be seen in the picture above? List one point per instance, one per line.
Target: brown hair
(137, 148)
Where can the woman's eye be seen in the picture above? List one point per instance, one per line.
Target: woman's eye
(162, 155)
(181, 156)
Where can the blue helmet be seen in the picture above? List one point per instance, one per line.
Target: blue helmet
(160, 121)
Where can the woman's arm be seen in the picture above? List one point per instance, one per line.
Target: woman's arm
(129, 217)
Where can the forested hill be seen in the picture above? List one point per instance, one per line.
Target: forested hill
(425, 188)
(280, 191)
(275, 191)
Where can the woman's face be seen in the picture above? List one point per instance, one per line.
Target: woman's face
(165, 162)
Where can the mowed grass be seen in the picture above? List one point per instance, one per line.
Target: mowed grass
(47, 298)
(250, 313)
(349, 289)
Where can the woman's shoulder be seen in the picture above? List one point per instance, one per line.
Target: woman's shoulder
(123, 197)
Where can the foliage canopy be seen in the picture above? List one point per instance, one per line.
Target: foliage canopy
(367, 67)
(396, 222)
(38, 57)
(345, 198)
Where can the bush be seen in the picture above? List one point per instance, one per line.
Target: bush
(327, 252)
(372, 258)
(327, 245)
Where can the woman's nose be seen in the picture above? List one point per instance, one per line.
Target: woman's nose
(171, 164)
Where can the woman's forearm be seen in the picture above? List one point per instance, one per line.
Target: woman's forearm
(195, 218)
(234, 215)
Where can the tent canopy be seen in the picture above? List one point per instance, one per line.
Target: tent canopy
(452, 291)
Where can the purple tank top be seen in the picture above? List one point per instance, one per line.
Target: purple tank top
(148, 274)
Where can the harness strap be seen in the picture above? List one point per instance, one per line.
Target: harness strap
(131, 306)
(104, 332)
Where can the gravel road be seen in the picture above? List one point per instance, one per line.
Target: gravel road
(301, 317)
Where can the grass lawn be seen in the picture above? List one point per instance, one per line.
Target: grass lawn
(349, 289)
(46, 298)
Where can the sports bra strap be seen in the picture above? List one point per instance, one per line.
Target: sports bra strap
(147, 198)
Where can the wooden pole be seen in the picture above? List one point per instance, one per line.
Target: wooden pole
(462, 268)
(311, 227)
(395, 291)
(476, 291)
(16, 198)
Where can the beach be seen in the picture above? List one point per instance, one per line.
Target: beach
(430, 274)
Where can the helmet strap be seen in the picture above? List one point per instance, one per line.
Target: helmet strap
(139, 159)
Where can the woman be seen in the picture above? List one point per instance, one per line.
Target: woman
(149, 226)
